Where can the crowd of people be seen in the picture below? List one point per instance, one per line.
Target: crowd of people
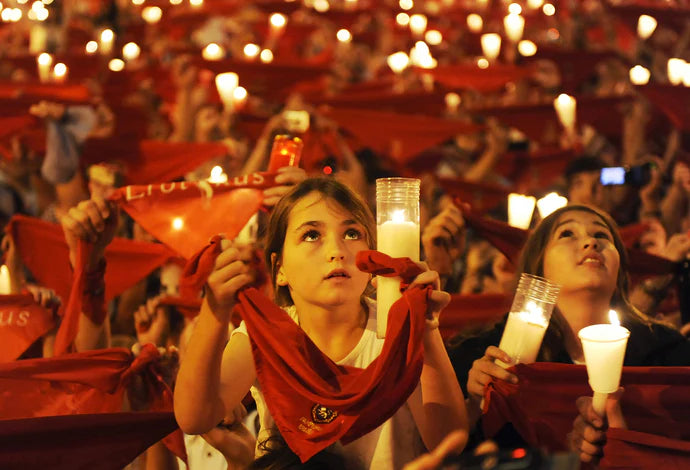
(268, 331)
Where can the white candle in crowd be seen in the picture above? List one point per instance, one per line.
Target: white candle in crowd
(45, 62)
(514, 26)
(107, 39)
(60, 72)
(130, 51)
(566, 106)
(475, 23)
(639, 75)
(5, 284)
(675, 68)
(396, 238)
(527, 48)
(226, 84)
(645, 26)
(550, 203)
(520, 210)
(523, 334)
(491, 45)
(604, 350)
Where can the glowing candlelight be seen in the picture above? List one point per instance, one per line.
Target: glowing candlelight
(107, 38)
(212, 52)
(177, 223)
(239, 97)
(131, 51)
(675, 68)
(398, 62)
(418, 24)
(528, 319)
(604, 350)
(639, 75)
(491, 45)
(520, 210)
(452, 102)
(44, 61)
(433, 37)
(5, 282)
(60, 72)
(550, 203)
(397, 228)
(514, 25)
(534, 4)
(38, 38)
(549, 9)
(403, 19)
(278, 21)
(151, 15)
(266, 56)
(527, 48)
(645, 26)
(91, 47)
(217, 175)
(475, 23)
(406, 4)
(116, 65)
(196, 3)
(566, 106)
(226, 84)
(343, 36)
(686, 74)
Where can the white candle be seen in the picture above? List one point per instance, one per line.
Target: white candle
(44, 61)
(239, 97)
(251, 51)
(452, 102)
(604, 349)
(5, 284)
(550, 203)
(106, 42)
(645, 26)
(523, 334)
(398, 62)
(639, 75)
(60, 72)
(170, 278)
(675, 68)
(566, 106)
(396, 238)
(514, 26)
(213, 52)
(520, 209)
(491, 45)
(130, 51)
(38, 38)
(226, 84)
(151, 15)
(475, 23)
(527, 48)
(418, 24)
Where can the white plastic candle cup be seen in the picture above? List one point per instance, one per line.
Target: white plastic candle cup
(528, 319)
(520, 210)
(604, 348)
(397, 232)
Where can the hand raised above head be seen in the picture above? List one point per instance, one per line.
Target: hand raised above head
(232, 271)
(92, 220)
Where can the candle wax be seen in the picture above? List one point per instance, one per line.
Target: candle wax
(522, 337)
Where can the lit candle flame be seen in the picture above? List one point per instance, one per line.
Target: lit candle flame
(177, 223)
(613, 318)
(398, 216)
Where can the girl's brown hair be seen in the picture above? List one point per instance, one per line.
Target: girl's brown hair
(331, 190)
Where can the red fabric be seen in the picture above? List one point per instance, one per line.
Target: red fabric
(206, 209)
(42, 248)
(470, 76)
(672, 100)
(481, 196)
(640, 450)
(471, 310)
(22, 321)
(198, 268)
(36, 92)
(399, 136)
(537, 170)
(542, 407)
(106, 441)
(630, 234)
(90, 383)
(295, 376)
(189, 307)
(508, 240)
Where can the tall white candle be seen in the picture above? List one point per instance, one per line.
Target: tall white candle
(44, 62)
(396, 239)
(565, 106)
(520, 210)
(5, 284)
(645, 26)
(639, 75)
(491, 45)
(523, 334)
(107, 39)
(514, 26)
(675, 68)
(226, 84)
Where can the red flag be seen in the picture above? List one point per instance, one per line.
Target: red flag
(22, 321)
(185, 215)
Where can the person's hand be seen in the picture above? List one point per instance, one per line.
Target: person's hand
(485, 369)
(437, 300)
(232, 438)
(443, 239)
(649, 193)
(48, 110)
(588, 436)
(681, 176)
(431, 461)
(231, 272)
(287, 177)
(678, 247)
(43, 296)
(93, 220)
(151, 322)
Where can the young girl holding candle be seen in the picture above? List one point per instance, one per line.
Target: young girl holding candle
(312, 240)
(579, 248)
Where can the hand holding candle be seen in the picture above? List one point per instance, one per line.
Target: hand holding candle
(397, 233)
(528, 319)
(604, 349)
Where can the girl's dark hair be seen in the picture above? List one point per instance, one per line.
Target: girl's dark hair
(532, 262)
(331, 190)
(278, 456)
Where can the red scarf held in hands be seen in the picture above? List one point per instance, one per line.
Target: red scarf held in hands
(22, 321)
(314, 401)
(542, 409)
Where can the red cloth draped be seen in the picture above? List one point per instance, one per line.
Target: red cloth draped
(296, 377)
(385, 99)
(508, 240)
(42, 248)
(91, 383)
(639, 450)
(204, 209)
(673, 102)
(480, 195)
(22, 321)
(40, 91)
(630, 234)
(542, 407)
(466, 311)
(534, 171)
(399, 136)
(470, 76)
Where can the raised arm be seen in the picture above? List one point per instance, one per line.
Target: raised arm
(215, 374)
